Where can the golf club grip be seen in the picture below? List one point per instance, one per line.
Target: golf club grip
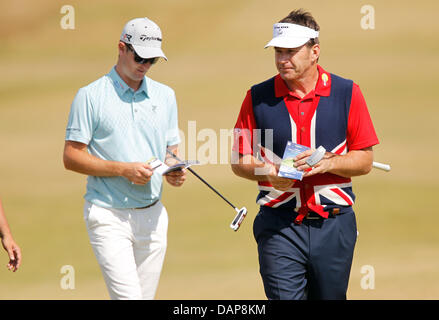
(202, 180)
(381, 166)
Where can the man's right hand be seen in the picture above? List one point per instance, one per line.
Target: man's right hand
(77, 158)
(137, 172)
(279, 183)
(251, 168)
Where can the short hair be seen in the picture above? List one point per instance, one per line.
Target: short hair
(303, 18)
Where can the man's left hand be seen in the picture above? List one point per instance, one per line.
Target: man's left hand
(176, 178)
(323, 166)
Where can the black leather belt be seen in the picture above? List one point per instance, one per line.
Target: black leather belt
(148, 206)
(313, 215)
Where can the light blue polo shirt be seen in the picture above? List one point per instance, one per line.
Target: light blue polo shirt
(122, 125)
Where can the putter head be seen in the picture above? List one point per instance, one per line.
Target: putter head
(236, 223)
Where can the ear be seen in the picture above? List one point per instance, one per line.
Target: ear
(121, 47)
(315, 52)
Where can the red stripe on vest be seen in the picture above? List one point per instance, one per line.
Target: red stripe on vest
(279, 199)
(342, 195)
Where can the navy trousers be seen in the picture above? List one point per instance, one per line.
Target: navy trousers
(307, 261)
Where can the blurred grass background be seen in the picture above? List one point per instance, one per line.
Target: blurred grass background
(215, 51)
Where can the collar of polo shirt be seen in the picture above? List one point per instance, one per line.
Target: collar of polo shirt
(289, 35)
(122, 87)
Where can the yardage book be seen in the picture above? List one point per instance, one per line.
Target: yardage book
(163, 169)
(287, 169)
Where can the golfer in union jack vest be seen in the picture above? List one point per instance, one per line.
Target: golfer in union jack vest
(305, 230)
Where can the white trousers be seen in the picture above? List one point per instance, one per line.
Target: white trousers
(130, 246)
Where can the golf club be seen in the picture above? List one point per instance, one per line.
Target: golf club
(241, 213)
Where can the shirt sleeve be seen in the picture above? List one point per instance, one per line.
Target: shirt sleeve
(361, 133)
(80, 125)
(173, 133)
(242, 137)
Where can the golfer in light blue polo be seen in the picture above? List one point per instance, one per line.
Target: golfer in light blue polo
(116, 124)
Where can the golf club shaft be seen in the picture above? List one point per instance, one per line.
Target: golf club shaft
(202, 180)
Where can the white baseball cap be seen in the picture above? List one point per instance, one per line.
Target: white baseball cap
(289, 35)
(145, 36)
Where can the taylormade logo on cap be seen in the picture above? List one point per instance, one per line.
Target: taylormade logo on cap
(289, 35)
(145, 36)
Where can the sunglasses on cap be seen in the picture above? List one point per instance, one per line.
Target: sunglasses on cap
(138, 58)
